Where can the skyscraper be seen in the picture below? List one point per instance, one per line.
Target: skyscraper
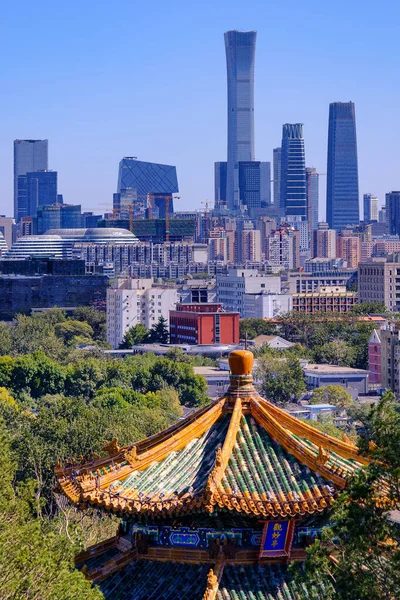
(29, 156)
(277, 177)
(393, 212)
(370, 207)
(312, 180)
(342, 201)
(240, 56)
(57, 216)
(254, 185)
(220, 184)
(41, 190)
(293, 172)
(145, 178)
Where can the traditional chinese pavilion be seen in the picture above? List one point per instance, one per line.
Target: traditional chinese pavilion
(217, 505)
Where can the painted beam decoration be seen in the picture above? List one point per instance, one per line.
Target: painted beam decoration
(277, 539)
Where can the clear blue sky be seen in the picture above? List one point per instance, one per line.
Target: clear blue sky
(102, 80)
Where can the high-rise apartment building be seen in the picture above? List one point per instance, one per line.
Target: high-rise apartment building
(324, 242)
(370, 202)
(266, 226)
(387, 348)
(218, 246)
(312, 186)
(349, 248)
(132, 301)
(152, 183)
(282, 248)
(379, 281)
(293, 172)
(393, 212)
(277, 177)
(29, 156)
(251, 245)
(342, 196)
(240, 56)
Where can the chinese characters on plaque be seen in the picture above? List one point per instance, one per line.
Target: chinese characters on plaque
(277, 539)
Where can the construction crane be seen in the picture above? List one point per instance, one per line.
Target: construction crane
(167, 199)
(206, 204)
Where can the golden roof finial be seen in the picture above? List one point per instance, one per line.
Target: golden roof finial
(241, 362)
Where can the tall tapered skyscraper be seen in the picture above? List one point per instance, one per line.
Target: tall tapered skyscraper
(240, 49)
(342, 197)
(293, 172)
(29, 156)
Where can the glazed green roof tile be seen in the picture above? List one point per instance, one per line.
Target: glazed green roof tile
(181, 471)
(264, 582)
(260, 464)
(154, 580)
(350, 466)
(96, 561)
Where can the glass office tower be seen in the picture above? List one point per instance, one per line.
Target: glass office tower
(293, 172)
(342, 196)
(220, 184)
(277, 177)
(41, 190)
(393, 212)
(254, 185)
(370, 207)
(240, 55)
(57, 216)
(312, 179)
(148, 178)
(29, 156)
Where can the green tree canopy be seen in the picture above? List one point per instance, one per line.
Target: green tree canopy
(332, 394)
(69, 330)
(97, 320)
(255, 327)
(358, 554)
(5, 339)
(369, 308)
(159, 333)
(281, 380)
(36, 561)
(336, 352)
(135, 335)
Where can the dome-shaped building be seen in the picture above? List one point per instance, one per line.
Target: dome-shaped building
(96, 246)
(215, 506)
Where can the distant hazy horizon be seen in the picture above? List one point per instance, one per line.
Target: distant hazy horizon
(103, 81)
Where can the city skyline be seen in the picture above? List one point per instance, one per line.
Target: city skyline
(94, 112)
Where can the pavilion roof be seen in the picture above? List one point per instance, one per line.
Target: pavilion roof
(240, 453)
(158, 580)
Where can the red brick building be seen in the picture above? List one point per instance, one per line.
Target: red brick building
(203, 324)
(374, 357)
